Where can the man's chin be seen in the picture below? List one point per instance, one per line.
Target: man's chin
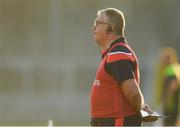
(95, 39)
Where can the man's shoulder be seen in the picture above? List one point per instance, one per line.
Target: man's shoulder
(119, 53)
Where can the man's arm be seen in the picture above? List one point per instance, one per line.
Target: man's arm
(121, 65)
(133, 93)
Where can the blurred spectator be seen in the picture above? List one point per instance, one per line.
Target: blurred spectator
(167, 85)
(167, 55)
(170, 94)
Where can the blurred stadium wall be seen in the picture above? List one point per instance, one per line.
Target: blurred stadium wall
(48, 58)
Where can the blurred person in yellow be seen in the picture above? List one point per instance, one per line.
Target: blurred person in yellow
(167, 55)
(167, 85)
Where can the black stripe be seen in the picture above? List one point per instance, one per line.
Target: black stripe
(102, 122)
(120, 48)
(122, 39)
(121, 70)
(134, 120)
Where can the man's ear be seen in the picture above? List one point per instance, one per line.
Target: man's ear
(109, 30)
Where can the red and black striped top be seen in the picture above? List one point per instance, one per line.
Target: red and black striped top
(119, 63)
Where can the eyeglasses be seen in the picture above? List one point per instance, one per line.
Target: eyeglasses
(96, 22)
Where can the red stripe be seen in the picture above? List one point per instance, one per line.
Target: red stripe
(119, 122)
(119, 56)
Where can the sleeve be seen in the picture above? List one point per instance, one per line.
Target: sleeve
(120, 65)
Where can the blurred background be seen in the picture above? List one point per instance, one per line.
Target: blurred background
(48, 58)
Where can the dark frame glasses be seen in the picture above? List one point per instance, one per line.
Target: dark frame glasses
(96, 22)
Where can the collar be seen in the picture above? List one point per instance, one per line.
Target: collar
(122, 40)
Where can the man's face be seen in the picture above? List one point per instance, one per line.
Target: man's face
(99, 28)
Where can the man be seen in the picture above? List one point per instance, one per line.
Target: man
(116, 98)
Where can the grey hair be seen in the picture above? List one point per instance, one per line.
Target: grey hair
(115, 18)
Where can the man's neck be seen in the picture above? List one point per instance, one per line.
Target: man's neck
(106, 44)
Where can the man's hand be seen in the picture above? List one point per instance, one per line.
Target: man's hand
(148, 118)
(147, 109)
